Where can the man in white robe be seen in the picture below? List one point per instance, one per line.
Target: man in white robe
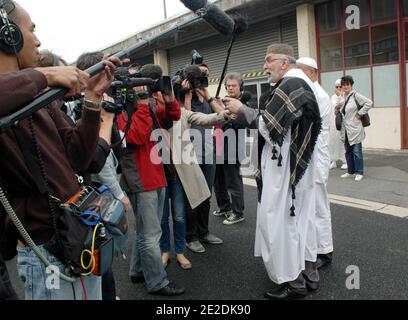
(290, 126)
(336, 146)
(323, 214)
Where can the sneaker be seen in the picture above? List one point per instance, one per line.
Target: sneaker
(344, 166)
(220, 213)
(346, 175)
(233, 219)
(333, 165)
(195, 246)
(212, 239)
(359, 177)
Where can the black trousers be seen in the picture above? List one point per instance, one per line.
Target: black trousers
(197, 219)
(228, 181)
(108, 285)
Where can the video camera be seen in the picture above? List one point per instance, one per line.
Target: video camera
(123, 93)
(192, 73)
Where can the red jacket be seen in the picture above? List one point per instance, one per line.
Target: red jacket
(142, 168)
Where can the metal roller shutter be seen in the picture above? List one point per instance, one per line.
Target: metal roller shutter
(289, 31)
(249, 50)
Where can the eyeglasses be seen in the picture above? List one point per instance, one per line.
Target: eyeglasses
(338, 86)
(269, 60)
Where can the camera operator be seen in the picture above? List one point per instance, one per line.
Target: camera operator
(63, 150)
(198, 100)
(144, 181)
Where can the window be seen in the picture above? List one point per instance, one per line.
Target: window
(386, 85)
(405, 7)
(265, 87)
(383, 10)
(252, 89)
(406, 41)
(328, 16)
(385, 43)
(256, 88)
(370, 53)
(357, 47)
(330, 52)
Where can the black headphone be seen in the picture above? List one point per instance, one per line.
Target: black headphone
(11, 37)
(241, 84)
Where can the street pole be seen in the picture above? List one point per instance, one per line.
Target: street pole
(165, 9)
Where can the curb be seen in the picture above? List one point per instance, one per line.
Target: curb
(372, 206)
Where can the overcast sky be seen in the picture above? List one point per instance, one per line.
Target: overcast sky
(69, 28)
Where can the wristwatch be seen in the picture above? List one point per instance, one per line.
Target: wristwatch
(210, 100)
(92, 104)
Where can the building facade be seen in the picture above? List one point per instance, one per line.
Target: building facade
(367, 39)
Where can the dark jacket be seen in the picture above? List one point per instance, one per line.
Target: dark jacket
(101, 153)
(64, 150)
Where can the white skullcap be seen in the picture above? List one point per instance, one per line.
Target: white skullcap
(308, 62)
(338, 82)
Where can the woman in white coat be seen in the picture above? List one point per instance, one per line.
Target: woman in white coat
(336, 146)
(352, 131)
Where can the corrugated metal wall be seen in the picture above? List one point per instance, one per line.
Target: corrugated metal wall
(249, 50)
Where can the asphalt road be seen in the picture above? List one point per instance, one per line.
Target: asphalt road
(375, 243)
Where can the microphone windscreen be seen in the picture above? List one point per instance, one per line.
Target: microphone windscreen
(194, 5)
(219, 20)
(192, 72)
(245, 97)
(153, 71)
(241, 24)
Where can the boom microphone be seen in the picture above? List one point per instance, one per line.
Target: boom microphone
(241, 24)
(218, 19)
(194, 5)
(153, 71)
(245, 97)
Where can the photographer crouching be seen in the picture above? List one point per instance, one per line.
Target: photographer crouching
(143, 177)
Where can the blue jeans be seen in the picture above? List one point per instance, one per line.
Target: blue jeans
(354, 157)
(146, 255)
(42, 285)
(175, 192)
